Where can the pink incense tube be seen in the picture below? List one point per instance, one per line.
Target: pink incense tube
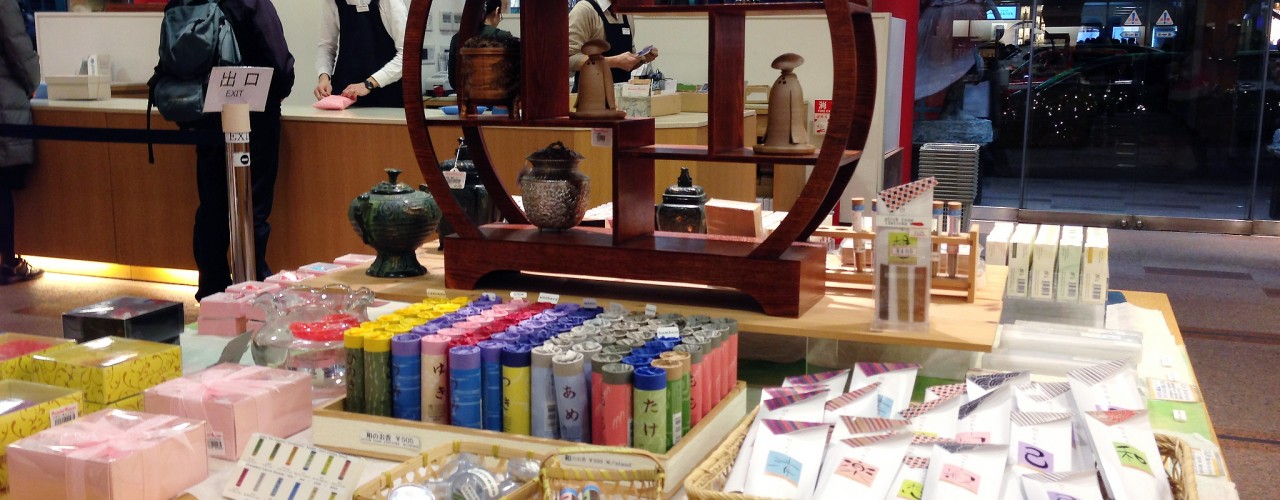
(435, 379)
(616, 407)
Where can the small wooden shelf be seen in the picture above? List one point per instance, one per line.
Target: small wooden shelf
(965, 282)
(749, 9)
(742, 155)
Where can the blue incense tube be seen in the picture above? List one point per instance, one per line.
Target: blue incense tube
(406, 376)
(465, 387)
(491, 380)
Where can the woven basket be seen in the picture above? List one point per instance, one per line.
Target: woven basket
(428, 466)
(707, 480)
(621, 473)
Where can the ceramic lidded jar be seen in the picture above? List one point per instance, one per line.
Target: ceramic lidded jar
(554, 191)
(473, 196)
(683, 208)
(395, 220)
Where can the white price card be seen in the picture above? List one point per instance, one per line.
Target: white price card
(457, 179)
(1170, 390)
(238, 85)
(650, 310)
(618, 308)
(519, 295)
(489, 296)
(589, 303)
(549, 298)
(602, 137)
(668, 332)
(1207, 462)
(436, 293)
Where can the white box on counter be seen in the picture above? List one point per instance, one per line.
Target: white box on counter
(1070, 251)
(1044, 258)
(79, 87)
(1020, 260)
(998, 243)
(1095, 269)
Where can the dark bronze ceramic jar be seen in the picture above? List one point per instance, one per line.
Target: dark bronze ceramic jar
(553, 189)
(683, 208)
(473, 196)
(395, 220)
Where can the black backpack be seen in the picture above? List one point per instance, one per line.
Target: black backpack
(195, 36)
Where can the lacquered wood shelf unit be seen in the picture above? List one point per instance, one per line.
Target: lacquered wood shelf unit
(782, 273)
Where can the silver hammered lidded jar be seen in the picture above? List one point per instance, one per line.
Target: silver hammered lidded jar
(554, 191)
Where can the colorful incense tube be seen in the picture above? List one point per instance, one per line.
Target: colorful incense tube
(515, 391)
(686, 383)
(616, 404)
(697, 387)
(465, 387)
(939, 223)
(542, 400)
(377, 374)
(676, 395)
(597, 394)
(491, 381)
(572, 397)
(406, 376)
(649, 409)
(858, 209)
(719, 364)
(435, 379)
(353, 341)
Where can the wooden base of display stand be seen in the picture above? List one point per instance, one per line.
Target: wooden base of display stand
(395, 439)
(787, 286)
(965, 281)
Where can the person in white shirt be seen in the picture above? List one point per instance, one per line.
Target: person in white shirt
(361, 50)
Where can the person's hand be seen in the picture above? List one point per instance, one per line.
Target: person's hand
(323, 88)
(626, 60)
(355, 91)
(653, 54)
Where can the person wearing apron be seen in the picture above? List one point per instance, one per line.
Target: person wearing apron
(595, 20)
(361, 51)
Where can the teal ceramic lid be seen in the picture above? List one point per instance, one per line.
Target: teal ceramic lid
(391, 186)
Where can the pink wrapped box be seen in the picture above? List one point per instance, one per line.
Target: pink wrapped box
(237, 401)
(221, 305)
(251, 289)
(321, 268)
(222, 327)
(286, 278)
(110, 454)
(252, 312)
(354, 259)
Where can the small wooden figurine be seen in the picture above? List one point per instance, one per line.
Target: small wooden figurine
(595, 85)
(787, 132)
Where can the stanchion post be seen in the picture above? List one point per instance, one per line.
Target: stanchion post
(236, 129)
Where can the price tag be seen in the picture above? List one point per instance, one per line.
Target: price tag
(457, 179)
(519, 295)
(589, 303)
(59, 416)
(1170, 390)
(215, 444)
(1207, 462)
(490, 296)
(549, 298)
(436, 293)
(618, 308)
(668, 332)
(650, 310)
(602, 137)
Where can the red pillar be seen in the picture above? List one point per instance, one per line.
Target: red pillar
(909, 11)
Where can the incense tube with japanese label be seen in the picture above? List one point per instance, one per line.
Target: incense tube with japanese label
(686, 383)
(616, 404)
(720, 364)
(465, 387)
(597, 394)
(588, 349)
(406, 376)
(572, 406)
(377, 374)
(515, 391)
(353, 341)
(491, 381)
(697, 386)
(542, 398)
(675, 395)
(649, 409)
(435, 379)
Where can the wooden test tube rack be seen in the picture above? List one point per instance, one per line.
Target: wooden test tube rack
(965, 281)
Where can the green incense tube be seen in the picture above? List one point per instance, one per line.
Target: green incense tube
(677, 394)
(353, 340)
(686, 383)
(377, 374)
(649, 411)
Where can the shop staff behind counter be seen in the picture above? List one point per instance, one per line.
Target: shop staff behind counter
(360, 51)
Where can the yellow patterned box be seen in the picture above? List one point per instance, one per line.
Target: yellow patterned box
(27, 408)
(132, 403)
(16, 350)
(110, 368)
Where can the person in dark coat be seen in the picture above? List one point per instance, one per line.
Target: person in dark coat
(19, 77)
(261, 38)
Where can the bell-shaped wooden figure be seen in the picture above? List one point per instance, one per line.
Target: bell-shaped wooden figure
(787, 131)
(595, 85)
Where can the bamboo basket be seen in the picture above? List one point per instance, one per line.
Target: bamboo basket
(621, 473)
(707, 480)
(428, 467)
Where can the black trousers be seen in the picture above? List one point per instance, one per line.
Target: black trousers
(212, 238)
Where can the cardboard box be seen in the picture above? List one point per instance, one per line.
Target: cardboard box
(1020, 245)
(109, 369)
(1095, 270)
(26, 409)
(694, 102)
(998, 243)
(651, 106)
(128, 317)
(17, 349)
(1070, 253)
(79, 87)
(132, 403)
(113, 454)
(1044, 259)
(237, 401)
(734, 218)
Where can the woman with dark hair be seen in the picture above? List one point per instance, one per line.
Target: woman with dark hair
(488, 27)
(19, 76)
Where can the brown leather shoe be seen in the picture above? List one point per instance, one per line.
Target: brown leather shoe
(18, 272)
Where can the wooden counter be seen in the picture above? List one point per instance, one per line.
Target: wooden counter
(103, 202)
(843, 315)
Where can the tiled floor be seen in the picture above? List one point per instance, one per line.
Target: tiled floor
(1225, 292)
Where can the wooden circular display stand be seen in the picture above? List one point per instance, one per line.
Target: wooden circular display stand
(782, 273)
